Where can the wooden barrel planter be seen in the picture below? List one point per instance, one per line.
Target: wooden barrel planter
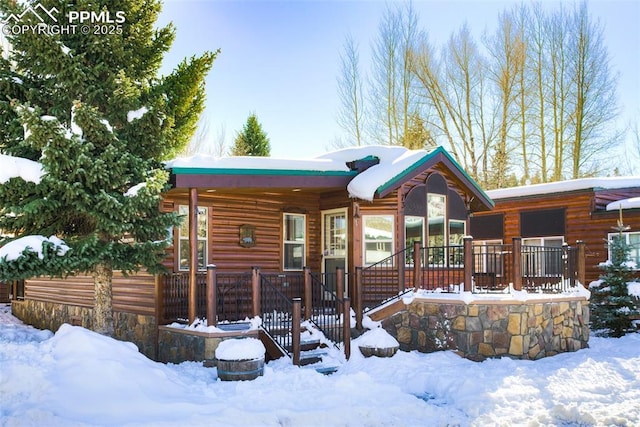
(240, 359)
(240, 370)
(378, 342)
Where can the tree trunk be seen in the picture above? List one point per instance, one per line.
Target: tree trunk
(102, 304)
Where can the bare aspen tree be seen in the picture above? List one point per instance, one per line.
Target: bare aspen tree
(507, 53)
(426, 68)
(351, 116)
(391, 89)
(463, 75)
(593, 101)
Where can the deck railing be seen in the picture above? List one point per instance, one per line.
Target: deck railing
(480, 268)
(233, 296)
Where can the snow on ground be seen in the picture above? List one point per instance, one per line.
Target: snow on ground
(78, 378)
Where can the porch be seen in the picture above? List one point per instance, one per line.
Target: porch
(289, 301)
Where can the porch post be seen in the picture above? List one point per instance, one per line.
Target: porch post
(340, 290)
(308, 302)
(296, 331)
(582, 274)
(159, 291)
(346, 328)
(417, 265)
(193, 253)
(357, 298)
(468, 263)
(517, 263)
(255, 291)
(212, 296)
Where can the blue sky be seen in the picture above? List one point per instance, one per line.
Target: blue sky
(280, 59)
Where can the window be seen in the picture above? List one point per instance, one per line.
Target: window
(436, 211)
(456, 236)
(414, 232)
(633, 240)
(294, 241)
(378, 237)
(542, 256)
(183, 237)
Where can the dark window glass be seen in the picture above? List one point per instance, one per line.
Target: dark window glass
(548, 222)
(487, 226)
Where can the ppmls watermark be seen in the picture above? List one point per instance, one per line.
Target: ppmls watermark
(48, 22)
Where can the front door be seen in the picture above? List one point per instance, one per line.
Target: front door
(334, 244)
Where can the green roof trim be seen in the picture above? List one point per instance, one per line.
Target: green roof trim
(411, 171)
(258, 172)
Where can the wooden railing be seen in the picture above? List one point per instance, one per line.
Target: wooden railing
(321, 297)
(271, 296)
(471, 268)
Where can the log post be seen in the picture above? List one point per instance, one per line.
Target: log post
(308, 296)
(357, 306)
(212, 296)
(467, 243)
(296, 330)
(582, 273)
(255, 291)
(339, 290)
(193, 253)
(516, 255)
(159, 294)
(417, 265)
(346, 327)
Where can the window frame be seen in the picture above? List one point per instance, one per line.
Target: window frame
(293, 243)
(365, 261)
(203, 212)
(634, 254)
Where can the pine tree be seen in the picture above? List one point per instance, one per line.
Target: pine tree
(252, 140)
(91, 109)
(611, 305)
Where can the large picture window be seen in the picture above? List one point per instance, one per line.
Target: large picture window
(183, 237)
(294, 241)
(378, 237)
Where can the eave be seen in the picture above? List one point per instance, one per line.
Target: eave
(480, 201)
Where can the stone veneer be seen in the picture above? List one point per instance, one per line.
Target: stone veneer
(483, 329)
(137, 328)
(177, 345)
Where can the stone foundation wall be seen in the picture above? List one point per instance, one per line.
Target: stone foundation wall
(480, 330)
(180, 345)
(139, 329)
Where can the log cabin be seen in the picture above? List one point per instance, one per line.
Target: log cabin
(351, 208)
(565, 212)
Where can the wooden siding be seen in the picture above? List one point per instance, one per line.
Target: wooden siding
(131, 294)
(581, 222)
(227, 212)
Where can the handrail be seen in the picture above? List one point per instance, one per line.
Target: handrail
(276, 314)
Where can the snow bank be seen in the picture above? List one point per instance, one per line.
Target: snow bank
(377, 338)
(240, 349)
(14, 249)
(18, 167)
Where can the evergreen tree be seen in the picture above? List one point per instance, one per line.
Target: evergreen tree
(91, 109)
(252, 140)
(611, 305)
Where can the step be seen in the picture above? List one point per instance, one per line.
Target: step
(234, 326)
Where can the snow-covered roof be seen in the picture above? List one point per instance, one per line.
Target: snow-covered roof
(394, 164)
(565, 186)
(632, 203)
